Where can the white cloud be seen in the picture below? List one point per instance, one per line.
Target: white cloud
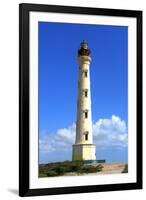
(107, 133)
(60, 141)
(110, 133)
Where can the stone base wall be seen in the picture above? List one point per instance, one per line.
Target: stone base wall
(84, 152)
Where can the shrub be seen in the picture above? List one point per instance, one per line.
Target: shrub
(74, 168)
(60, 168)
(125, 169)
(42, 175)
(90, 169)
(51, 173)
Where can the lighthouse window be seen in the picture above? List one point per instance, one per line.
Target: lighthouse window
(86, 93)
(86, 135)
(86, 73)
(86, 114)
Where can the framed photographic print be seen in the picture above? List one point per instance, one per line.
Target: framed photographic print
(80, 99)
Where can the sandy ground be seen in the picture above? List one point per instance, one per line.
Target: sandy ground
(114, 168)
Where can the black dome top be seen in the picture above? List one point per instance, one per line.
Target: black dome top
(84, 49)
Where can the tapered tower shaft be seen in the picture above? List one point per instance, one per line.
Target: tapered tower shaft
(84, 148)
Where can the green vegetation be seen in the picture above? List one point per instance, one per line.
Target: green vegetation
(125, 169)
(42, 175)
(62, 168)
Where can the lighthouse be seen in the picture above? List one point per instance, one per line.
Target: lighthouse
(84, 149)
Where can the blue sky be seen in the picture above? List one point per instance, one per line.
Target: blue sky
(58, 78)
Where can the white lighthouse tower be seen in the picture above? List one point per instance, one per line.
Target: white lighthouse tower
(84, 149)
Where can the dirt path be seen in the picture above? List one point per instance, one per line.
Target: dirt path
(114, 168)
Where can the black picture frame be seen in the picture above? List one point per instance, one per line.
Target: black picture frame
(24, 10)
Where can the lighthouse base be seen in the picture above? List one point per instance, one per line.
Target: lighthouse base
(84, 152)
